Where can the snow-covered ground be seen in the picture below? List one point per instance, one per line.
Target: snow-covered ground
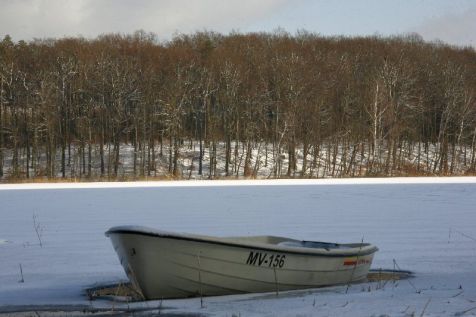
(326, 161)
(427, 225)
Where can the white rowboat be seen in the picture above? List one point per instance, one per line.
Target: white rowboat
(163, 264)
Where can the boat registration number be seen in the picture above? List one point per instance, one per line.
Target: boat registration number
(265, 259)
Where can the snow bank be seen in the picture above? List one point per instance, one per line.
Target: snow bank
(253, 182)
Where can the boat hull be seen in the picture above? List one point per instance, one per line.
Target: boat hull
(174, 267)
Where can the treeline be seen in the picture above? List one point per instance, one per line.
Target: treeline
(367, 98)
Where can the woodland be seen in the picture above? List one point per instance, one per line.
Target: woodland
(129, 106)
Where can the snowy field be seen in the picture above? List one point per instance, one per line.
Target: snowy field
(427, 225)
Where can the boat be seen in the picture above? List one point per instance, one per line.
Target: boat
(162, 264)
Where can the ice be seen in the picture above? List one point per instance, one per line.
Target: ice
(425, 225)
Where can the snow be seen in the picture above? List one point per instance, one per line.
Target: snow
(427, 225)
(324, 161)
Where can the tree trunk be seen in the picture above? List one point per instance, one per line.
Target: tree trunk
(335, 151)
(150, 149)
(247, 171)
(175, 158)
(200, 156)
(83, 157)
(170, 155)
(90, 165)
(101, 152)
(116, 152)
(305, 151)
(15, 156)
(27, 164)
(291, 159)
(63, 158)
(135, 141)
(227, 155)
(350, 168)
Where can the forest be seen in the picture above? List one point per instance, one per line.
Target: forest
(208, 105)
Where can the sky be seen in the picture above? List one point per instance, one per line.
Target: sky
(450, 21)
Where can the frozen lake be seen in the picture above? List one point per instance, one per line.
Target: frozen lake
(427, 226)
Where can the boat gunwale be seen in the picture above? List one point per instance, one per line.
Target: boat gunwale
(365, 249)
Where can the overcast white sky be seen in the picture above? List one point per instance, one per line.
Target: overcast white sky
(452, 21)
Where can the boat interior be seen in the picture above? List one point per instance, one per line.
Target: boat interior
(286, 242)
